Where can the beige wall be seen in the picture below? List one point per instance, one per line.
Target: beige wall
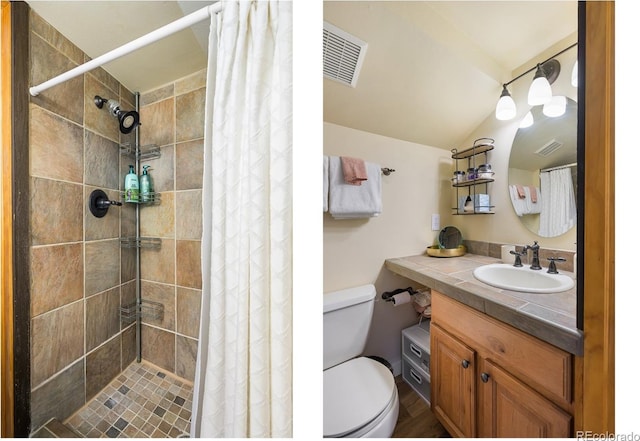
(355, 250)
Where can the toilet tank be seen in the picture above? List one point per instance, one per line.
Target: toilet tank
(346, 318)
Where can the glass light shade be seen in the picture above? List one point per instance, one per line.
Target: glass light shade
(506, 108)
(527, 121)
(574, 75)
(556, 107)
(539, 92)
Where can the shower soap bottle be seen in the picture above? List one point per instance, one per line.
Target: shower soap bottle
(131, 186)
(146, 185)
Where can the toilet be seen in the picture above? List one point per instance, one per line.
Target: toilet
(360, 397)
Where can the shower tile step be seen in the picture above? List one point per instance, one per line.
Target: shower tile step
(55, 429)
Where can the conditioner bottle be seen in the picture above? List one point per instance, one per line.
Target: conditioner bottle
(146, 186)
(131, 186)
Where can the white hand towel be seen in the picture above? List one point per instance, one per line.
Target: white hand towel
(325, 183)
(355, 215)
(518, 204)
(352, 201)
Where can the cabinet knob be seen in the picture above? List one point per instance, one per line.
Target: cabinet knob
(465, 363)
(484, 377)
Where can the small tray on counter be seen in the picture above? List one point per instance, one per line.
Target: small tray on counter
(436, 251)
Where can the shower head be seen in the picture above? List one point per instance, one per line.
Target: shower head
(128, 119)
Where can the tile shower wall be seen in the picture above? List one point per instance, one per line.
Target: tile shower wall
(172, 118)
(79, 275)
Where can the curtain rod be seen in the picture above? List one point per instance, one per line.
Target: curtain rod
(573, 164)
(158, 34)
(534, 67)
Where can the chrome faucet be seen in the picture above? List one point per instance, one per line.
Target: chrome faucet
(535, 260)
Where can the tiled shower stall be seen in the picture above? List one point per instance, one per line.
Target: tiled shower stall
(80, 275)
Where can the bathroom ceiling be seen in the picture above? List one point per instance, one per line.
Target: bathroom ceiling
(433, 70)
(97, 27)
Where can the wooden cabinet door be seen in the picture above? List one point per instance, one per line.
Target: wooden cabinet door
(510, 409)
(453, 392)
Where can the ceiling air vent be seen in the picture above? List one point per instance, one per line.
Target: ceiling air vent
(549, 148)
(342, 55)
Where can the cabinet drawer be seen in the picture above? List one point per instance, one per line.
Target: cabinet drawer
(417, 378)
(542, 366)
(415, 346)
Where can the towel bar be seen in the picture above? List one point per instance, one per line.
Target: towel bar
(387, 171)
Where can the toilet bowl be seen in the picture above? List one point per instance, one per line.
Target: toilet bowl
(360, 395)
(360, 400)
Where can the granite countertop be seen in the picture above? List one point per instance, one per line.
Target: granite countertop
(549, 317)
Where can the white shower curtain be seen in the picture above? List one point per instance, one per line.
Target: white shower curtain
(243, 384)
(558, 213)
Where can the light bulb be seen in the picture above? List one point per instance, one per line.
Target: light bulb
(556, 107)
(540, 90)
(506, 107)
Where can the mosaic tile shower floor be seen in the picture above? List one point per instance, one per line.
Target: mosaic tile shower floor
(142, 402)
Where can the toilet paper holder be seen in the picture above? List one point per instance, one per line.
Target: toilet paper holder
(388, 296)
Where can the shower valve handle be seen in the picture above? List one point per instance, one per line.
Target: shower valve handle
(105, 203)
(99, 203)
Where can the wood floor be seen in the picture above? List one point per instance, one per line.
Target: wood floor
(415, 419)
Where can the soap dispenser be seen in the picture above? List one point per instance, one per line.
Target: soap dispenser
(146, 186)
(131, 186)
(468, 205)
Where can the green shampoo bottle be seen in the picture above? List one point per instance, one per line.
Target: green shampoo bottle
(131, 186)
(146, 186)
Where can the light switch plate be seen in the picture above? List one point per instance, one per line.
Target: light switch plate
(435, 222)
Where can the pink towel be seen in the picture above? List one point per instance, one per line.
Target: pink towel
(354, 170)
(520, 189)
(534, 194)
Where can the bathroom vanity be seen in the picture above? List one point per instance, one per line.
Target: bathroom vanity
(502, 362)
(492, 380)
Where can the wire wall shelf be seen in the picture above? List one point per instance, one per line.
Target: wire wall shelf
(145, 152)
(140, 242)
(151, 198)
(479, 202)
(147, 309)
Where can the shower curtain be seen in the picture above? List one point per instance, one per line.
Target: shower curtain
(558, 212)
(243, 383)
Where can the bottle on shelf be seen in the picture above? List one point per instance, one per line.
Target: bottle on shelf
(473, 200)
(146, 186)
(131, 186)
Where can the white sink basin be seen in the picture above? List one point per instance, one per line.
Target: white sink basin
(523, 279)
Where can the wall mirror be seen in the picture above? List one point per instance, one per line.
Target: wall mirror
(543, 173)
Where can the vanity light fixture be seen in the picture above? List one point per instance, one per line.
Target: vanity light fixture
(506, 108)
(540, 90)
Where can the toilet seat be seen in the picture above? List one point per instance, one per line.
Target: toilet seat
(357, 393)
